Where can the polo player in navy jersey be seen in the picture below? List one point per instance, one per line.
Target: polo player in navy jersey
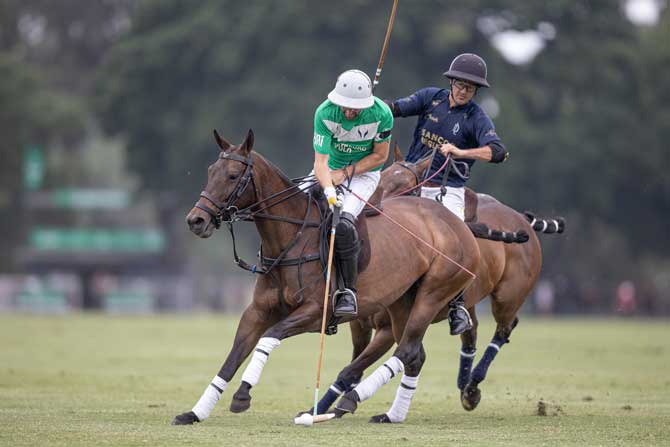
(451, 122)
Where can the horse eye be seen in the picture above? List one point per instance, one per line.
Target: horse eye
(232, 176)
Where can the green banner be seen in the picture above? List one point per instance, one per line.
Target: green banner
(101, 240)
(33, 167)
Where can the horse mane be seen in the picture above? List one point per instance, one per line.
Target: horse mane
(272, 166)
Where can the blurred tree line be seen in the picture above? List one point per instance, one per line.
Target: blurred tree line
(586, 121)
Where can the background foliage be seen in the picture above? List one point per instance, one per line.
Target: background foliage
(587, 122)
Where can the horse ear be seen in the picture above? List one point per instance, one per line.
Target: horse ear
(397, 154)
(248, 143)
(223, 144)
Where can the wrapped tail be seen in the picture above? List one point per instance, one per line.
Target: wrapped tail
(549, 226)
(482, 231)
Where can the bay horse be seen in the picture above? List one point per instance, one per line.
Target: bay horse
(401, 277)
(506, 272)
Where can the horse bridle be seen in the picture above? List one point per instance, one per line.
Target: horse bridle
(228, 212)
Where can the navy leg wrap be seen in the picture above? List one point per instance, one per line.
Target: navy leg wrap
(331, 395)
(465, 367)
(479, 373)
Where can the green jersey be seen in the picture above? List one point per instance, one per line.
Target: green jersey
(348, 141)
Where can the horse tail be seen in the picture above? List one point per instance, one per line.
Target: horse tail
(549, 226)
(482, 231)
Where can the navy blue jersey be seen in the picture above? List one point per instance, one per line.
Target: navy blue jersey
(466, 127)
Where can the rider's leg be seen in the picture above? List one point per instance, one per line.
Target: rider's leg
(347, 244)
(347, 248)
(454, 200)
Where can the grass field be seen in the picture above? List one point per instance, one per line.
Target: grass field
(88, 380)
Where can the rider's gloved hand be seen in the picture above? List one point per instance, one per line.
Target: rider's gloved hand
(332, 197)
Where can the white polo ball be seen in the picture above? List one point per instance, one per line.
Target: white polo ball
(305, 419)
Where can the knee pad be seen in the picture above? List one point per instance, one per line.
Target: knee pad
(346, 239)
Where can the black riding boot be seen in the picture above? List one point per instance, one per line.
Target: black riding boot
(347, 248)
(459, 317)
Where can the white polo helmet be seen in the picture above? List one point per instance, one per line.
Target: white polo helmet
(353, 90)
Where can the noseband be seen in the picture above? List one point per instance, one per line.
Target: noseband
(227, 212)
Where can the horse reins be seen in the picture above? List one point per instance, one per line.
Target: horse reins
(411, 233)
(229, 214)
(417, 177)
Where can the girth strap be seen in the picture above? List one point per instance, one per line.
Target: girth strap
(290, 261)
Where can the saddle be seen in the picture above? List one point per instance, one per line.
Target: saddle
(471, 202)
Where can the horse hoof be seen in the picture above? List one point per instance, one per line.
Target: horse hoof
(241, 399)
(380, 419)
(240, 405)
(470, 397)
(347, 404)
(338, 413)
(185, 419)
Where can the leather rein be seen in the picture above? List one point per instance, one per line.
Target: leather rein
(229, 213)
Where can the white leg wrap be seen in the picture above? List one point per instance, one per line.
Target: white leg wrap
(403, 397)
(380, 377)
(252, 373)
(209, 398)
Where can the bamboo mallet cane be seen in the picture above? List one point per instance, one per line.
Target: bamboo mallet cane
(382, 56)
(336, 219)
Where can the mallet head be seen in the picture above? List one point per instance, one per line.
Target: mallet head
(307, 419)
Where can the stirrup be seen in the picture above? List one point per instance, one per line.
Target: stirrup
(469, 323)
(340, 313)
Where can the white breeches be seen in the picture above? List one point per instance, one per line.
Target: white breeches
(364, 185)
(454, 199)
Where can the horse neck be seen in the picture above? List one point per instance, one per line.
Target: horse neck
(276, 235)
(422, 166)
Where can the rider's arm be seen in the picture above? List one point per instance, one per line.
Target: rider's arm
(487, 138)
(321, 170)
(380, 152)
(322, 143)
(484, 153)
(490, 147)
(414, 104)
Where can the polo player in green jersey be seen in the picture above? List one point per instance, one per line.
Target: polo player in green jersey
(352, 133)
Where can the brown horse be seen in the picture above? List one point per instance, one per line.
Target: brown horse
(506, 272)
(401, 276)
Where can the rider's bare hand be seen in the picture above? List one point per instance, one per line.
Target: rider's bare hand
(449, 148)
(338, 177)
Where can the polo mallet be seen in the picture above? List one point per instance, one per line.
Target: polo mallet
(305, 419)
(329, 267)
(382, 56)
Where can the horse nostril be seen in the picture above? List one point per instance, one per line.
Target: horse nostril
(196, 221)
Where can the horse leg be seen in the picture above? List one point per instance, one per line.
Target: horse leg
(352, 373)
(468, 350)
(409, 357)
(304, 319)
(505, 316)
(361, 335)
(251, 326)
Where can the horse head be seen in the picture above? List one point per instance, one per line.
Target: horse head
(227, 189)
(401, 175)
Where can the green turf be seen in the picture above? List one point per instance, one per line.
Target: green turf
(95, 380)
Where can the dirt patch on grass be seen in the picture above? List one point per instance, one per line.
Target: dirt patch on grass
(548, 409)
